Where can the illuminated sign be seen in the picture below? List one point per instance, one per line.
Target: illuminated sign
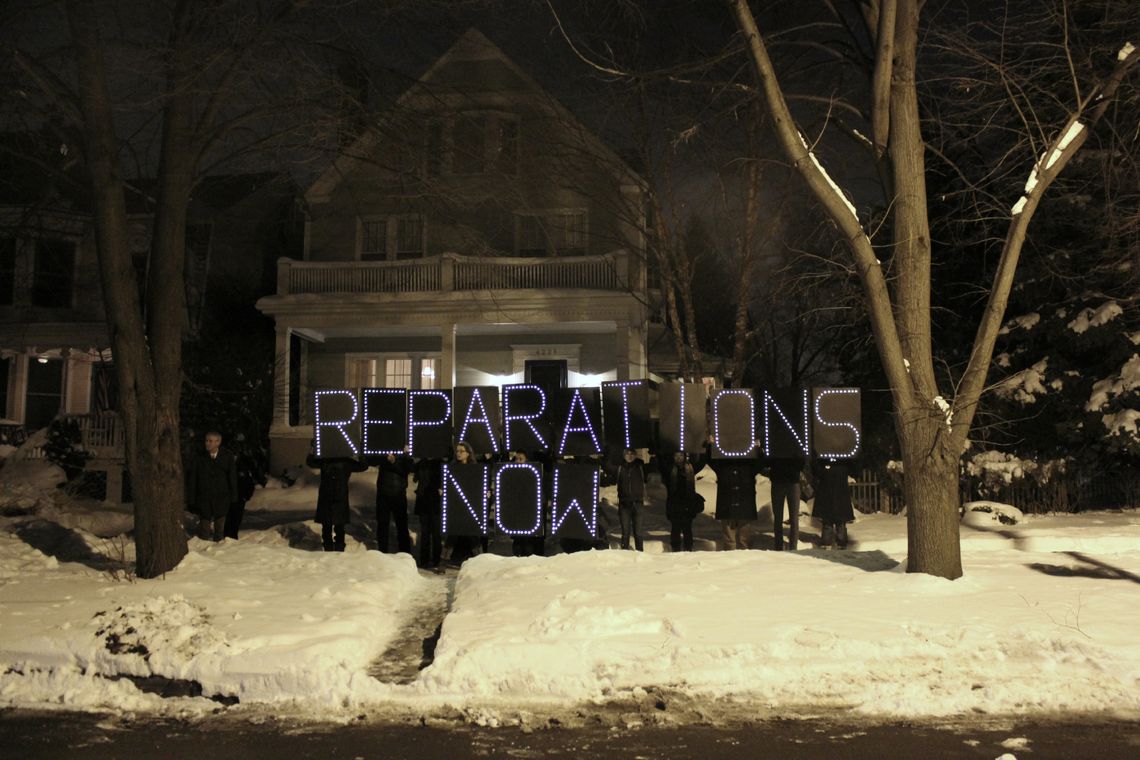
(836, 422)
(574, 501)
(429, 423)
(336, 424)
(584, 421)
(578, 413)
(734, 423)
(787, 424)
(465, 488)
(524, 418)
(477, 418)
(683, 426)
(518, 499)
(385, 423)
(625, 414)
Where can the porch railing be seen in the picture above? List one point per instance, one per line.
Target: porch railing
(452, 272)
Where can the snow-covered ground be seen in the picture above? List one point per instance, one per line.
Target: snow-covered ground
(1043, 621)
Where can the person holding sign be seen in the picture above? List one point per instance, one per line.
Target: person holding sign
(735, 499)
(332, 498)
(682, 502)
(785, 474)
(392, 500)
(631, 476)
(832, 504)
(429, 508)
(457, 547)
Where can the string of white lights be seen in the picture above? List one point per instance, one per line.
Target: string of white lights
(319, 422)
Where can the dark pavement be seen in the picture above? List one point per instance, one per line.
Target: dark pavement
(70, 735)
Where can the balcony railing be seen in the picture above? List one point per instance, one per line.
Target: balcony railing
(452, 272)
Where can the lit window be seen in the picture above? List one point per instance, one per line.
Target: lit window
(429, 373)
(397, 373)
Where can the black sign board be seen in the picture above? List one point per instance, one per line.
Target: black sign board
(336, 424)
(836, 422)
(525, 422)
(625, 415)
(476, 417)
(574, 501)
(384, 420)
(518, 498)
(465, 488)
(429, 423)
(576, 414)
(682, 417)
(733, 418)
(785, 421)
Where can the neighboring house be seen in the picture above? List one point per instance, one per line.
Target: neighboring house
(55, 356)
(479, 235)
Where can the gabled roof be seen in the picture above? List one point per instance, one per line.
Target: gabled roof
(472, 64)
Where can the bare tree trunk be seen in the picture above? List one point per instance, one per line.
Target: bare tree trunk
(144, 364)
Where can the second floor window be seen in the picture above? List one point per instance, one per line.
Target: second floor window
(554, 233)
(53, 275)
(384, 238)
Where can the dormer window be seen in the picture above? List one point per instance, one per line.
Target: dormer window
(472, 143)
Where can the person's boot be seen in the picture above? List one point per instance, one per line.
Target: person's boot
(841, 535)
(827, 538)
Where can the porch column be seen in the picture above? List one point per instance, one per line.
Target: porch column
(447, 355)
(281, 378)
(629, 359)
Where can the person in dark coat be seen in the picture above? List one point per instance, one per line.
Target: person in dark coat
(527, 546)
(735, 499)
(458, 548)
(631, 476)
(785, 475)
(212, 486)
(332, 498)
(392, 500)
(832, 505)
(682, 502)
(250, 474)
(429, 509)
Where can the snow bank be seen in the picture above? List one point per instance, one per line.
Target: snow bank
(788, 630)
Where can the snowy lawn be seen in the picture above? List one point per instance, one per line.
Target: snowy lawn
(1043, 621)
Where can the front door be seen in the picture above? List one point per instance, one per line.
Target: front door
(547, 374)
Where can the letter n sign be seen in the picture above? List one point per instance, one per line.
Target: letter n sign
(465, 489)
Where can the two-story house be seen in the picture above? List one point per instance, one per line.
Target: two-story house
(479, 234)
(55, 356)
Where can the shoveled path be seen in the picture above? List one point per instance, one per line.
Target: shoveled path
(413, 648)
